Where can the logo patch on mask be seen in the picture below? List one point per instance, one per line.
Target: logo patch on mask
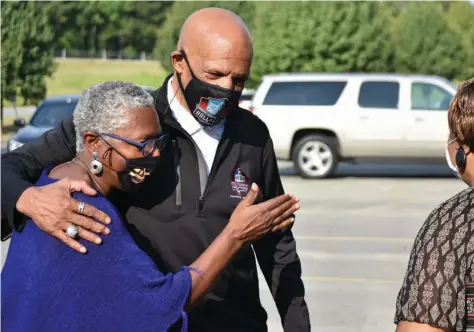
(138, 175)
(210, 111)
(211, 106)
(239, 183)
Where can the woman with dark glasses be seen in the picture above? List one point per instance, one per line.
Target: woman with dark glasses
(47, 286)
(438, 291)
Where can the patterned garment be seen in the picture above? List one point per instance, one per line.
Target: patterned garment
(439, 284)
(470, 307)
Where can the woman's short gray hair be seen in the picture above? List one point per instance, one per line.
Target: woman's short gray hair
(105, 107)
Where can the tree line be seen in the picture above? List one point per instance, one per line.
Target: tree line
(395, 37)
(401, 37)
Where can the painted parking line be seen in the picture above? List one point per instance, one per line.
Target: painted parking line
(345, 280)
(352, 280)
(420, 213)
(355, 256)
(354, 239)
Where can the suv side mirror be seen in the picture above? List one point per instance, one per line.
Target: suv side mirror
(19, 122)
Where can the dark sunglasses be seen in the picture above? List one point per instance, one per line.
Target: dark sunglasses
(147, 147)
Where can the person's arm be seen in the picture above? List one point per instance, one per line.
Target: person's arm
(22, 167)
(277, 257)
(161, 298)
(50, 206)
(247, 223)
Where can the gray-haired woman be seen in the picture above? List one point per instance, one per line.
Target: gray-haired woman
(47, 286)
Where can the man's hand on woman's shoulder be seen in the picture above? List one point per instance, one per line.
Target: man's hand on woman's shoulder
(52, 209)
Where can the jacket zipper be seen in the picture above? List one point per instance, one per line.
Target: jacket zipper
(178, 171)
(210, 177)
(201, 196)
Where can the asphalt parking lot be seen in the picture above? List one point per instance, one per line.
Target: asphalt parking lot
(354, 234)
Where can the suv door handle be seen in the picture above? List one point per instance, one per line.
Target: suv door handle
(364, 117)
(419, 119)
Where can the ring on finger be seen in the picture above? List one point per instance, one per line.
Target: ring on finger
(72, 230)
(80, 210)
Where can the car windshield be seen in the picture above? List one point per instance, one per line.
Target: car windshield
(49, 114)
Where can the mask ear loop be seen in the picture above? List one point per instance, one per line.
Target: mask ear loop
(109, 152)
(187, 62)
(461, 158)
(180, 83)
(178, 75)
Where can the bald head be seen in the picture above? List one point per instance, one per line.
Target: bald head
(215, 47)
(218, 29)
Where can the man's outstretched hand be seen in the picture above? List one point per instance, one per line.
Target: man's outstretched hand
(52, 209)
(251, 221)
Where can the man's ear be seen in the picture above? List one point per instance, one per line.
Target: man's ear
(91, 141)
(177, 61)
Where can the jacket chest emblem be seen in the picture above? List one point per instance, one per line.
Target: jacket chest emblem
(239, 183)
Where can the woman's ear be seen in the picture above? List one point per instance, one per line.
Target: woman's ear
(91, 141)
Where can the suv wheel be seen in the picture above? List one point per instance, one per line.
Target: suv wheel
(315, 156)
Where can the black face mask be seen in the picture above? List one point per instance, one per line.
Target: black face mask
(135, 171)
(208, 103)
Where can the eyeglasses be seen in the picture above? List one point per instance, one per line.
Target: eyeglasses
(147, 147)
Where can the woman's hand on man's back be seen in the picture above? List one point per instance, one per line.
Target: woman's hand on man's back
(52, 209)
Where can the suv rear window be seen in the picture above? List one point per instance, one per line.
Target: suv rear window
(304, 93)
(379, 94)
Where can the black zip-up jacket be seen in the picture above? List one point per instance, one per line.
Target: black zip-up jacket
(180, 211)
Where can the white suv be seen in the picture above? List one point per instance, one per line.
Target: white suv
(317, 120)
(245, 101)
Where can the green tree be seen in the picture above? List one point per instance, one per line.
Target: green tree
(426, 43)
(283, 37)
(38, 52)
(168, 34)
(113, 25)
(321, 37)
(12, 33)
(80, 25)
(460, 16)
(134, 26)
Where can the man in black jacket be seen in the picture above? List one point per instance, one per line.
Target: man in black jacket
(216, 151)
